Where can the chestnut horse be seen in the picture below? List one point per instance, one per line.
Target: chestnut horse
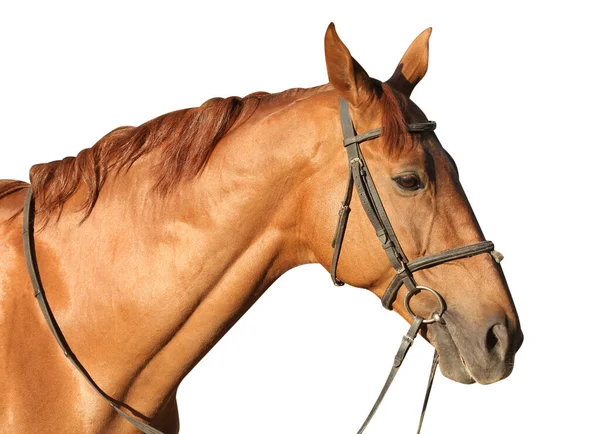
(152, 243)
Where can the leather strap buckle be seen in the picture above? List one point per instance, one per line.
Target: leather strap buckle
(402, 268)
(356, 160)
(343, 209)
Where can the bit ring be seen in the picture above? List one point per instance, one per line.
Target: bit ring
(436, 316)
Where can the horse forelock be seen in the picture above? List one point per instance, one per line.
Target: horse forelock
(394, 127)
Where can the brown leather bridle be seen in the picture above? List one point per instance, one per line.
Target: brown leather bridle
(360, 178)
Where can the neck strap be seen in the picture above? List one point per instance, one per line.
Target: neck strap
(38, 292)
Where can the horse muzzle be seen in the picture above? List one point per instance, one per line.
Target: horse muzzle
(483, 354)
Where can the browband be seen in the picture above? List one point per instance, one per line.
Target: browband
(419, 127)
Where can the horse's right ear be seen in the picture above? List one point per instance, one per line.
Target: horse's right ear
(413, 66)
(345, 73)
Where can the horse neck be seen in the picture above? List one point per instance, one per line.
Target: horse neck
(158, 281)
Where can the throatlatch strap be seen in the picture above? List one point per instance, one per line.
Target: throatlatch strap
(340, 231)
(38, 292)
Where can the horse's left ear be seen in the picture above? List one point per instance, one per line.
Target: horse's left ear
(345, 73)
(413, 66)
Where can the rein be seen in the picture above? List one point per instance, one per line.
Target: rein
(358, 177)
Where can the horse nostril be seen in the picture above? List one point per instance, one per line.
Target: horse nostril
(496, 340)
(491, 339)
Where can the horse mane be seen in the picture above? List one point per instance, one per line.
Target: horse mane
(9, 186)
(186, 138)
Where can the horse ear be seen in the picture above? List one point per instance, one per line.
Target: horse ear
(413, 66)
(345, 73)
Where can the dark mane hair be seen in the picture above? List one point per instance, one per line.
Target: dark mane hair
(186, 139)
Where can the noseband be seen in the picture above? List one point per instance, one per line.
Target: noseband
(359, 177)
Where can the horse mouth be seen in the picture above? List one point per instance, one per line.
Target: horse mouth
(452, 363)
(463, 362)
(465, 366)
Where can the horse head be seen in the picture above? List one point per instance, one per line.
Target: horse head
(420, 189)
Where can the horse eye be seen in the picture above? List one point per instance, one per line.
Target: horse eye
(408, 181)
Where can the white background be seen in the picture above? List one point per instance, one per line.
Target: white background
(514, 89)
